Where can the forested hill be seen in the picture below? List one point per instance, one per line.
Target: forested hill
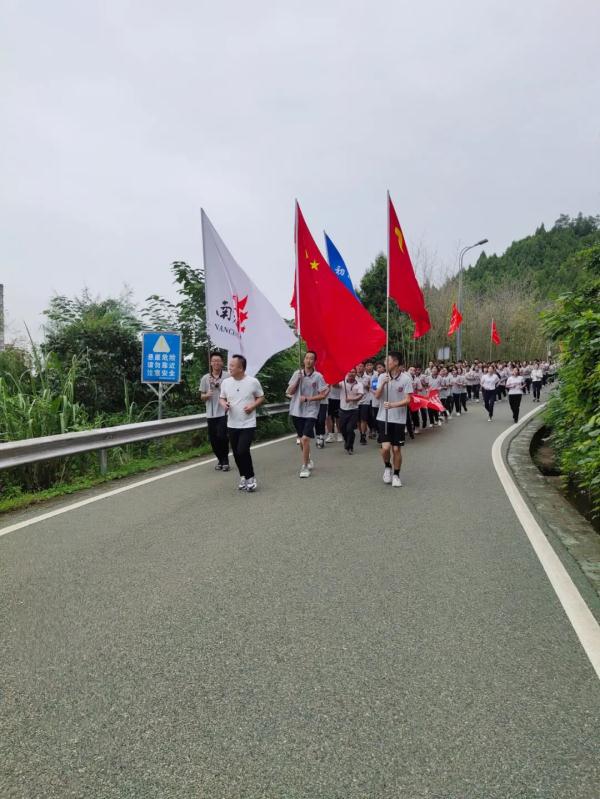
(542, 262)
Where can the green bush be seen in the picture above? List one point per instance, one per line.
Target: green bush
(573, 412)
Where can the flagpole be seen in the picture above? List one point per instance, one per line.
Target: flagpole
(297, 289)
(206, 310)
(387, 312)
(491, 328)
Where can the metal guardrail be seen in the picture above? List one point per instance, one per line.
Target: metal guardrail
(33, 450)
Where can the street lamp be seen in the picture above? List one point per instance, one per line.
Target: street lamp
(460, 283)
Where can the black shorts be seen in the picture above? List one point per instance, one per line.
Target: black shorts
(364, 412)
(394, 435)
(333, 408)
(304, 427)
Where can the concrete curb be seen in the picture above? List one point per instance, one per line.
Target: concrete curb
(573, 538)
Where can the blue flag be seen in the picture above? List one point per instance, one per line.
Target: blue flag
(336, 262)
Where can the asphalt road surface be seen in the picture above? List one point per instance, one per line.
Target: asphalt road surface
(329, 638)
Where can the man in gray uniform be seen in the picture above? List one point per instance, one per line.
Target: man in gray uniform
(393, 390)
(216, 415)
(306, 389)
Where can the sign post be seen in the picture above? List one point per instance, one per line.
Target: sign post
(161, 362)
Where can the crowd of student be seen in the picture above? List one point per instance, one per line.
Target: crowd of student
(373, 402)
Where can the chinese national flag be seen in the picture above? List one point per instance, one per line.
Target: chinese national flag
(403, 286)
(455, 320)
(495, 336)
(329, 317)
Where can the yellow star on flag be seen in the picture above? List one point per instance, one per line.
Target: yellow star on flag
(400, 237)
(314, 265)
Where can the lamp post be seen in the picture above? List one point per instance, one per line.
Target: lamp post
(460, 286)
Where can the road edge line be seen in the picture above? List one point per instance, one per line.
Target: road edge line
(12, 528)
(580, 616)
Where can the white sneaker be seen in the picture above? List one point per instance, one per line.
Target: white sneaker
(439, 423)
(387, 475)
(329, 439)
(242, 484)
(339, 438)
(477, 400)
(251, 484)
(396, 481)
(310, 465)
(304, 471)
(489, 419)
(298, 441)
(458, 414)
(417, 431)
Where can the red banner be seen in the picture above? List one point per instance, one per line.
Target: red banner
(430, 400)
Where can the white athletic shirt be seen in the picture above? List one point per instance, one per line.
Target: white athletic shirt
(334, 392)
(346, 390)
(212, 385)
(489, 381)
(238, 394)
(310, 385)
(515, 384)
(399, 388)
(537, 375)
(366, 381)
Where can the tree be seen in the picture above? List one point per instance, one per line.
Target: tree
(103, 335)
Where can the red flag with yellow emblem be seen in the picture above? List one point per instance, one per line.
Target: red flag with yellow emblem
(402, 283)
(329, 317)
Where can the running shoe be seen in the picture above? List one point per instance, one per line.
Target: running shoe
(225, 467)
(218, 467)
(242, 484)
(310, 465)
(339, 438)
(387, 475)
(396, 481)
(304, 471)
(251, 484)
(330, 439)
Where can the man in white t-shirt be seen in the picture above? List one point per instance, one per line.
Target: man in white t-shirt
(306, 389)
(240, 396)
(393, 391)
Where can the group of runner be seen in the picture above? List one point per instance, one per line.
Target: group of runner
(373, 400)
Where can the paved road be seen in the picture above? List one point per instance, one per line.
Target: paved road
(326, 638)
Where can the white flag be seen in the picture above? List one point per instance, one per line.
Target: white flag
(239, 318)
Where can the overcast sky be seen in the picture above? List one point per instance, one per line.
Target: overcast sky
(121, 119)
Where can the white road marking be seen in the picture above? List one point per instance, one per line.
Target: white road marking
(113, 492)
(582, 620)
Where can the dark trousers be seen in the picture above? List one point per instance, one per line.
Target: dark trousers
(423, 418)
(489, 398)
(416, 419)
(537, 389)
(460, 401)
(409, 425)
(217, 435)
(320, 423)
(514, 401)
(447, 402)
(500, 391)
(433, 416)
(475, 391)
(348, 421)
(528, 385)
(373, 418)
(241, 438)
(469, 391)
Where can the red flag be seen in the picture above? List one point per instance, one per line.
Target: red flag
(402, 283)
(495, 336)
(455, 320)
(429, 400)
(331, 319)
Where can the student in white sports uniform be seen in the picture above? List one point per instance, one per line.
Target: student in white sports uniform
(351, 393)
(240, 397)
(393, 392)
(515, 385)
(306, 389)
(216, 415)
